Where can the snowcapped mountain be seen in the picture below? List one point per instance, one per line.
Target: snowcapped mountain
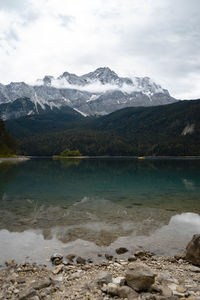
(99, 92)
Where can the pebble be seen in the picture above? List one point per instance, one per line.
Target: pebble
(117, 265)
(180, 289)
(123, 263)
(103, 277)
(172, 287)
(75, 275)
(58, 269)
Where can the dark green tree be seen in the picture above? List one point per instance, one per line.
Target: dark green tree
(7, 143)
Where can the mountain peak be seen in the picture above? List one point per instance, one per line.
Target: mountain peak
(48, 79)
(103, 74)
(72, 79)
(104, 70)
(16, 84)
(66, 74)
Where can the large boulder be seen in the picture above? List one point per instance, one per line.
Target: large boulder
(193, 250)
(140, 277)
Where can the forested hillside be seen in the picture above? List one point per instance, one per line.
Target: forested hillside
(172, 129)
(46, 122)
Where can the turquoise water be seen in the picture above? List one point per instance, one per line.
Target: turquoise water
(88, 205)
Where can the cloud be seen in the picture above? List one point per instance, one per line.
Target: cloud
(94, 87)
(155, 38)
(13, 5)
(65, 20)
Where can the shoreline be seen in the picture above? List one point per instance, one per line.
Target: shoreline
(113, 157)
(75, 278)
(14, 159)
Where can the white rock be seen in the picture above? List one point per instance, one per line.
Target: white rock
(119, 280)
(172, 286)
(117, 265)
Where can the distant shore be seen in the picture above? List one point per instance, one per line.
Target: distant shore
(66, 157)
(24, 158)
(119, 156)
(13, 159)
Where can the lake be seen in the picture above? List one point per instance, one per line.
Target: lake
(94, 205)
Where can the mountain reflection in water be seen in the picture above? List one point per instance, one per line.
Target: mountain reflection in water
(51, 205)
(170, 239)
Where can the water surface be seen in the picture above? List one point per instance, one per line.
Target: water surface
(86, 206)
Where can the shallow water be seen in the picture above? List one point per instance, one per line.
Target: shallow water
(87, 206)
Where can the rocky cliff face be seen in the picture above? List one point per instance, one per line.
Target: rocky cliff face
(99, 92)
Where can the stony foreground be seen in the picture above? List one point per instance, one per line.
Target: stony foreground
(142, 276)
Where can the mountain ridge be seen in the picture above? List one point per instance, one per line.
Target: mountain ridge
(96, 93)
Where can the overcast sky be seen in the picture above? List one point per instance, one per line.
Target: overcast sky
(155, 38)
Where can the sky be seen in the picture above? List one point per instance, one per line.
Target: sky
(155, 38)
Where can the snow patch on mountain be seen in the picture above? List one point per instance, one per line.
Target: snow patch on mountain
(95, 82)
(80, 112)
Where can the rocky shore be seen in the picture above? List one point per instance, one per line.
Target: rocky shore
(142, 276)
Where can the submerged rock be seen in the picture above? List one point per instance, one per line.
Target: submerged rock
(56, 258)
(81, 260)
(70, 257)
(108, 256)
(193, 250)
(132, 258)
(10, 262)
(142, 253)
(121, 250)
(139, 253)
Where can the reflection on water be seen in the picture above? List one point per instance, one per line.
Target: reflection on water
(189, 184)
(38, 245)
(103, 202)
